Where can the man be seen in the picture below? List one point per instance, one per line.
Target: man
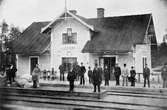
(164, 75)
(13, 72)
(61, 69)
(106, 75)
(132, 76)
(77, 70)
(9, 74)
(117, 73)
(71, 77)
(125, 74)
(96, 78)
(146, 75)
(90, 72)
(82, 72)
(35, 76)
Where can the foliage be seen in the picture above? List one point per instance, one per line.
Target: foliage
(14, 33)
(8, 34)
(163, 49)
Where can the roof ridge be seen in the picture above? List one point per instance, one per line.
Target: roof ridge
(121, 16)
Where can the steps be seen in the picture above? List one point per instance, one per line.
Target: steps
(52, 93)
(114, 98)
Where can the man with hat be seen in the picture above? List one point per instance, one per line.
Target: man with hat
(96, 78)
(164, 75)
(146, 75)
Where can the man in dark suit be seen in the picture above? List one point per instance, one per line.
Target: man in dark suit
(77, 70)
(106, 75)
(146, 75)
(96, 78)
(117, 73)
(82, 72)
(13, 72)
(132, 76)
(71, 78)
(62, 70)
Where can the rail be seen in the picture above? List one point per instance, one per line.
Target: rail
(154, 76)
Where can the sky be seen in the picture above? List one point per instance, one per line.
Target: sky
(22, 13)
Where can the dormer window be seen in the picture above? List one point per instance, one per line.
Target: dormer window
(69, 37)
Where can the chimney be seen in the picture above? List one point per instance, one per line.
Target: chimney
(100, 12)
(73, 12)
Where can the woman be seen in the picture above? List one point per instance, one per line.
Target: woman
(35, 76)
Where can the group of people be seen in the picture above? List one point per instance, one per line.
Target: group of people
(95, 75)
(79, 71)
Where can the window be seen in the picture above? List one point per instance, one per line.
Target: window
(69, 62)
(144, 62)
(69, 37)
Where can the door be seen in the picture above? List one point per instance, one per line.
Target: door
(110, 62)
(69, 62)
(33, 62)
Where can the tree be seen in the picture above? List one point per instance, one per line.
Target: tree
(14, 33)
(8, 35)
(163, 49)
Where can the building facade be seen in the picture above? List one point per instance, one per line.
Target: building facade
(71, 39)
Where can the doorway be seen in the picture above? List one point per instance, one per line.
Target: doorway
(110, 62)
(33, 62)
(69, 62)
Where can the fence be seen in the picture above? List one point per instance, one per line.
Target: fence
(154, 77)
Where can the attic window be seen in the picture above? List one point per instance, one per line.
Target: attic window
(69, 31)
(69, 37)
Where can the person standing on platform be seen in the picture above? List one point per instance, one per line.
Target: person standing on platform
(62, 70)
(90, 73)
(77, 71)
(106, 75)
(125, 74)
(96, 78)
(146, 75)
(35, 76)
(13, 72)
(117, 73)
(164, 75)
(132, 76)
(82, 73)
(9, 74)
(71, 78)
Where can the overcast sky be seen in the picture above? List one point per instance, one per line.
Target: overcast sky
(23, 12)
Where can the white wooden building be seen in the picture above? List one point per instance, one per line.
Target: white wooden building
(71, 38)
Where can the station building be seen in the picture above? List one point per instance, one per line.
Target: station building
(71, 38)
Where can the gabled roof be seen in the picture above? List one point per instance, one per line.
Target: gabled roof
(31, 41)
(117, 34)
(111, 34)
(60, 18)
